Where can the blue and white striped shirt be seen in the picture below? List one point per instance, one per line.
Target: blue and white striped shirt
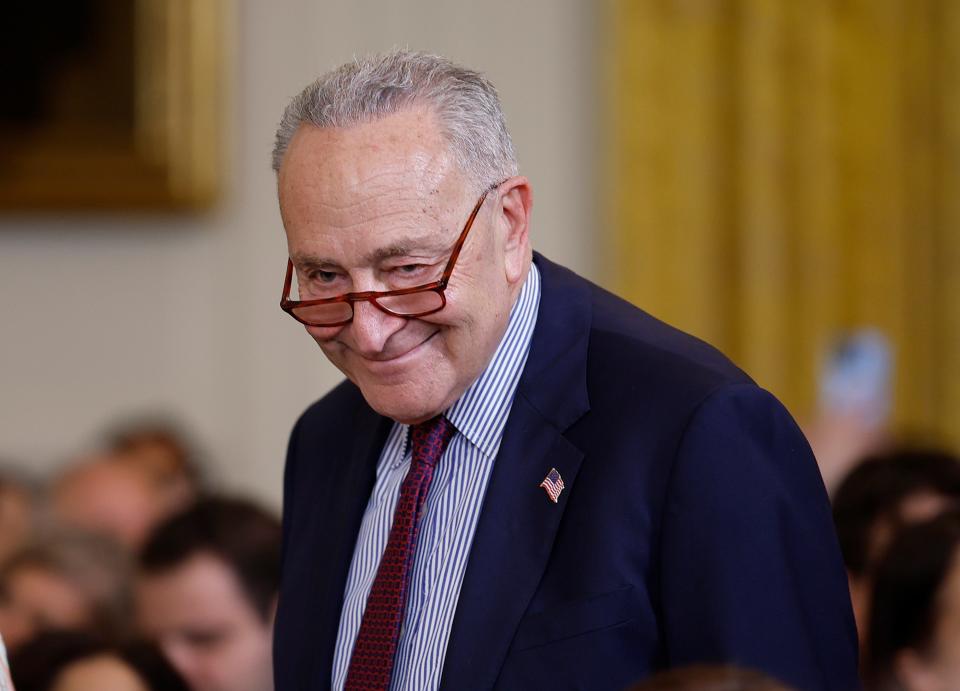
(449, 516)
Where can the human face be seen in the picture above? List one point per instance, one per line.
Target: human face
(369, 206)
(37, 599)
(103, 495)
(206, 626)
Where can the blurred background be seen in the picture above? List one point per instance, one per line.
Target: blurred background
(771, 176)
(786, 174)
(172, 307)
(778, 177)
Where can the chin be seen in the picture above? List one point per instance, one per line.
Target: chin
(403, 404)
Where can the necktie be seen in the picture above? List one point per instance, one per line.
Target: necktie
(371, 663)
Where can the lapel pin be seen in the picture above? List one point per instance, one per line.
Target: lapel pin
(553, 485)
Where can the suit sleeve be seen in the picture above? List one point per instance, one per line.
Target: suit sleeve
(751, 568)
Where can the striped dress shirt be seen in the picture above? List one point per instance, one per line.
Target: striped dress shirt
(450, 513)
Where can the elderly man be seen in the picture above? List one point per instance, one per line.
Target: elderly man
(525, 482)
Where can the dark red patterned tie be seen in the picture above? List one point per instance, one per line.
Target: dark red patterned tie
(371, 663)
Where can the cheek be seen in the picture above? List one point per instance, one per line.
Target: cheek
(323, 334)
(326, 338)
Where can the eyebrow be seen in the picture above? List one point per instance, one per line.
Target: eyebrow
(402, 248)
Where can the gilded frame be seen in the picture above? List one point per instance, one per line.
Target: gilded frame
(168, 157)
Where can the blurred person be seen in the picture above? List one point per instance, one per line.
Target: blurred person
(882, 494)
(710, 678)
(145, 471)
(76, 661)
(100, 495)
(164, 453)
(207, 593)
(914, 635)
(525, 482)
(65, 581)
(17, 512)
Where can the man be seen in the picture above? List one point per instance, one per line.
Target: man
(525, 482)
(207, 594)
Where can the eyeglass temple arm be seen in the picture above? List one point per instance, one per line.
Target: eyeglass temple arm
(448, 271)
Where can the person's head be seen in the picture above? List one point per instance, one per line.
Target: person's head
(65, 581)
(76, 661)
(881, 495)
(164, 453)
(207, 592)
(17, 512)
(914, 638)
(379, 165)
(99, 495)
(709, 678)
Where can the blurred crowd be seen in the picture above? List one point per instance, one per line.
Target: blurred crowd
(123, 571)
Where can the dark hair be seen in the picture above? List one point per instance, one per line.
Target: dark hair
(875, 490)
(244, 536)
(904, 608)
(37, 664)
(134, 433)
(710, 678)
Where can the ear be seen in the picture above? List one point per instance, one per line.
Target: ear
(516, 204)
(915, 672)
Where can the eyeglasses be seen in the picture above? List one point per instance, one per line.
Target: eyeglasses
(417, 301)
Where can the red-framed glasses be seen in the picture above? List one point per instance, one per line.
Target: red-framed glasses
(416, 301)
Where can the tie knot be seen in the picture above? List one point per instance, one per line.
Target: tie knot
(430, 438)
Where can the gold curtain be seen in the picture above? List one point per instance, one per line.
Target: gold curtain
(777, 171)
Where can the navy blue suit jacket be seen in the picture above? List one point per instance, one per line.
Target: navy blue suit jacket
(694, 526)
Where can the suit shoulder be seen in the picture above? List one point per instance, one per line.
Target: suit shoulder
(645, 349)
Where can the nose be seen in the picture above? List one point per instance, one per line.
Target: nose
(371, 329)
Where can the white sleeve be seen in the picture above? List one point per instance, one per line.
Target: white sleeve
(5, 683)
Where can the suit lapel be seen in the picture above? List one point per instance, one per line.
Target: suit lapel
(341, 517)
(518, 522)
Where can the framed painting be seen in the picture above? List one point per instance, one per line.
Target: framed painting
(111, 104)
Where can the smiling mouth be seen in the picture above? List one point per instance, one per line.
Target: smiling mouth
(380, 359)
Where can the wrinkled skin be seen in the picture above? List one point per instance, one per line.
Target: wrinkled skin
(380, 205)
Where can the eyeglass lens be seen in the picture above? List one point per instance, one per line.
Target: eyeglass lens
(409, 305)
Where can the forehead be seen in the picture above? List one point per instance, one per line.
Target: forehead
(203, 588)
(393, 172)
(369, 152)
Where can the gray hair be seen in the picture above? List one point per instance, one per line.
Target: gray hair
(373, 87)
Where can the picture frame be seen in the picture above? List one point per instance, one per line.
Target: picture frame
(117, 105)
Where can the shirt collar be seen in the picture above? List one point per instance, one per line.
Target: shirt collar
(481, 413)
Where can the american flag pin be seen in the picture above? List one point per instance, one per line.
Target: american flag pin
(553, 485)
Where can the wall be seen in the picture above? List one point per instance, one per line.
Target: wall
(105, 315)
